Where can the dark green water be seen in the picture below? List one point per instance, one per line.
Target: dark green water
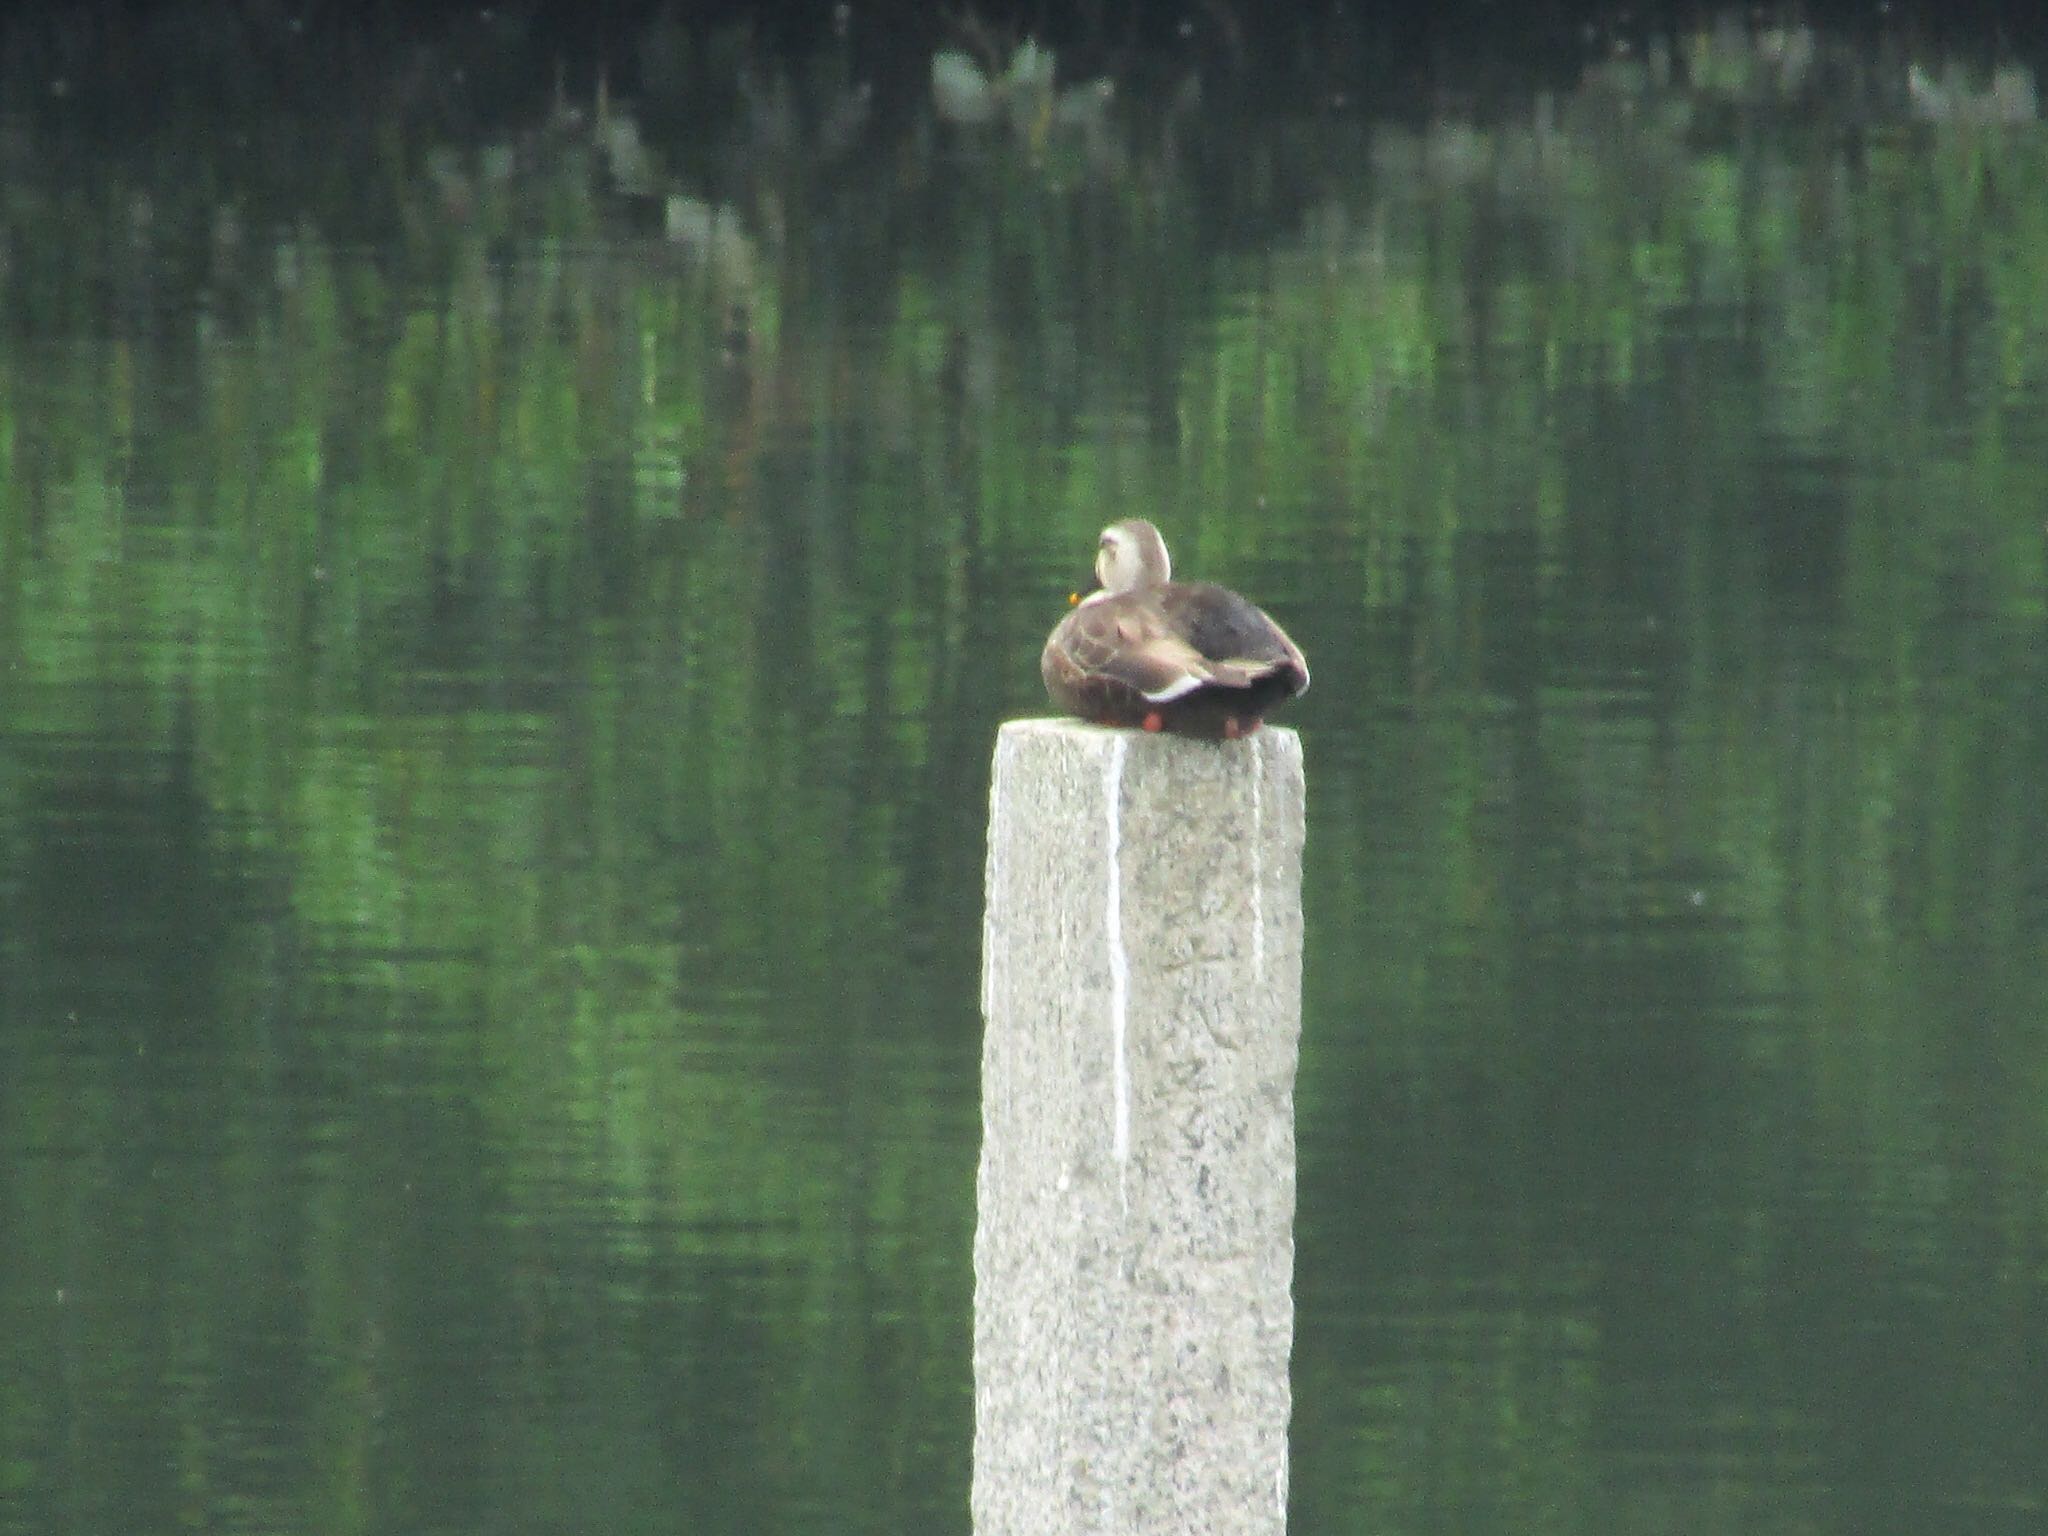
(497, 676)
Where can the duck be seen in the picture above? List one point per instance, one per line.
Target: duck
(1187, 657)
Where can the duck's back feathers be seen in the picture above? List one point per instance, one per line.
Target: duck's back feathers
(1191, 657)
(1120, 643)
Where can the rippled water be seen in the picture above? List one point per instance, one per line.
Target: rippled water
(497, 678)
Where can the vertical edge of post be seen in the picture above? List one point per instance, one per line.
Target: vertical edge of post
(1141, 998)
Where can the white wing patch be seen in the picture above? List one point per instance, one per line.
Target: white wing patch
(1179, 687)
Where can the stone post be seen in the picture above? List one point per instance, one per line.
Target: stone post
(1134, 1250)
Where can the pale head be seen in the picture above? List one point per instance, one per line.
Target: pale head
(1132, 555)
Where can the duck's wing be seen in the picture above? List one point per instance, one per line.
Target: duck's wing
(1127, 642)
(1237, 640)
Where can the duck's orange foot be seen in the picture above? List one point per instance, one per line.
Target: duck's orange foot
(1232, 728)
(1154, 721)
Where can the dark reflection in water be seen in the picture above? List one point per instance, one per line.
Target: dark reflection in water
(497, 671)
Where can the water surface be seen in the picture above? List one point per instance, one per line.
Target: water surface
(498, 665)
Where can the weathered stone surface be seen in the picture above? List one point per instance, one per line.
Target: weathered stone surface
(1135, 1250)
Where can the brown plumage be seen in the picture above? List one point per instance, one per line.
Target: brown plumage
(1149, 651)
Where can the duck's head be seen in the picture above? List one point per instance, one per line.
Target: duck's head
(1132, 555)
